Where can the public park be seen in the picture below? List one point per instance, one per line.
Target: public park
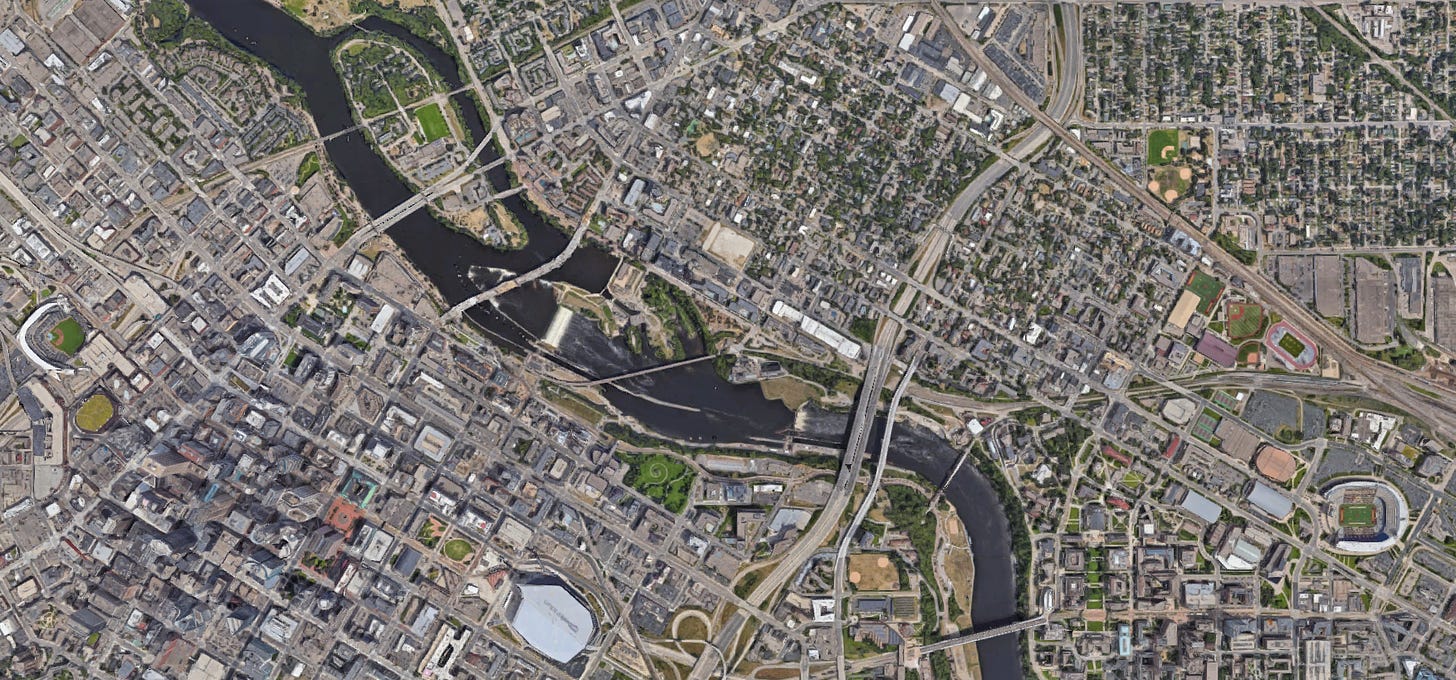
(458, 550)
(95, 413)
(1162, 147)
(660, 477)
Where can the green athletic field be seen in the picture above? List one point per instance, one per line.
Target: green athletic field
(1357, 515)
(95, 413)
(1245, 320)
(1206, 288)
(68, 336)
(1158, 143)
(432, 122)
(1291, 344)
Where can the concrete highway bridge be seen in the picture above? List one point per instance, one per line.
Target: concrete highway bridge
(382, 223)
(508, 285)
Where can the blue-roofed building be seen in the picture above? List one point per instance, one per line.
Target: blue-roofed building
(1270, 501)
(1201, 507)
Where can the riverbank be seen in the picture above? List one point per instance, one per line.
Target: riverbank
(717, 413)
(998, 575)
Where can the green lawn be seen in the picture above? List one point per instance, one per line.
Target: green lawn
(1294, 346)
(432, 122)
(68, 336)
(457, 549)
(1158, 140)
(1207, 288)
(571, 402)
(95, 413)
(308, 168)
(662, 478)
(859, 649)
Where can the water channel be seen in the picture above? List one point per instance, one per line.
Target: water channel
(712, 410)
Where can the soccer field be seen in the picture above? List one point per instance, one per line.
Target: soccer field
(1357, 515)
(1294, 346)
(432, 122)
(1207, 288)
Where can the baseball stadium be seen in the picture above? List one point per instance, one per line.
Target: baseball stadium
(1364, 516)
(51, 336)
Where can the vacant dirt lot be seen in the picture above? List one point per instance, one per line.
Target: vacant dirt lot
(729, 245)
(326, 15)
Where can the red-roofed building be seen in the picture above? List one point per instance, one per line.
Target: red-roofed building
(1116, 455)
(1218, 350)
(1172, 448)
(1118, 503)
(497, 577)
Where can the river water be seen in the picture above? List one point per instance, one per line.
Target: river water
(709, 408)
(914, 448)
(716, 410)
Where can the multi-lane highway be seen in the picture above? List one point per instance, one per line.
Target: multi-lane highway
(842, 555)
(1386, 382)
(1066, 93)
(881, 358)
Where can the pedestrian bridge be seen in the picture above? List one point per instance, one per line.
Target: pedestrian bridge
(985, 634)
(637, 373)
